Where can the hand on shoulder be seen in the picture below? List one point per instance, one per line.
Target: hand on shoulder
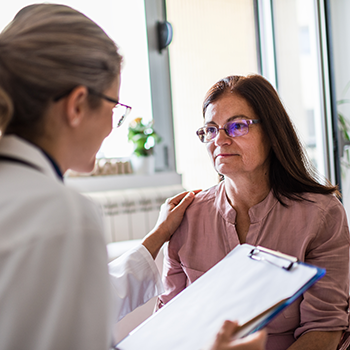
(169, 219)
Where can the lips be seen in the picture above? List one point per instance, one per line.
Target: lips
(224, 155)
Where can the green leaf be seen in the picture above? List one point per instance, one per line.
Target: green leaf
(343, 101)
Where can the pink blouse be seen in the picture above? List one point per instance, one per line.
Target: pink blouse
(314, 230)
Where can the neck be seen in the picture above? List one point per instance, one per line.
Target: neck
(244, 194)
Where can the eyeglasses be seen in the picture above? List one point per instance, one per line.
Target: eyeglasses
(233, 129)
(120, 111)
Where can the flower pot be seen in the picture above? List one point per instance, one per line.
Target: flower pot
(143, 165)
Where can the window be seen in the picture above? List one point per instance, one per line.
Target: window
(340, 29)
(299, 79)
(125, 23)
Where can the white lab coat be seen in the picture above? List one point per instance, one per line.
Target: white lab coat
(55, 291)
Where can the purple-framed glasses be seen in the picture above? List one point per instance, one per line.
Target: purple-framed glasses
(233, 128)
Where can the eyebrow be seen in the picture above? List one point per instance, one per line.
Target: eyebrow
(239, 116)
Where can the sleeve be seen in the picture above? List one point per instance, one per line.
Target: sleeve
(325, 305)
(135, 279)
(174, 277)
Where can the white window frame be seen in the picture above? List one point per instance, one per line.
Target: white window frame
(265, 26)
(162, 115)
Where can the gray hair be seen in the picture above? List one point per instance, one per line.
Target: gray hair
(45, 51)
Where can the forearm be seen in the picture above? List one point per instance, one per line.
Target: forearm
(154, 241)
(317, 340)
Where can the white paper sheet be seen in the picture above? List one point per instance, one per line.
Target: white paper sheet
(237, 288)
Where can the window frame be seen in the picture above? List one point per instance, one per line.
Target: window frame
(264, 15)
(164, 152)
(160, 87)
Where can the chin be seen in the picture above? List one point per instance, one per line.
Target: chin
(222, 169)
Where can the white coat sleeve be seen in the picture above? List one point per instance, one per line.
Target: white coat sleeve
(135, 279)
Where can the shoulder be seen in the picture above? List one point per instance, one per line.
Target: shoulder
(322, 203)
(321, 211)
(203, 199)
(77, 210)
(58, 208)
(325, 203)
(195, 216)
(324, 212)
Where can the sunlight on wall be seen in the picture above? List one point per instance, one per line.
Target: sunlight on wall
(212, 39)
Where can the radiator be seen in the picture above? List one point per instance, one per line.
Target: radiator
(132, 213)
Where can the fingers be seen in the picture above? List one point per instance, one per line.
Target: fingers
(223, 337)
(176, 200)
(223, 340)
(255, 341)
(228, 329)
(185, 201)
(169, 219)
(173, 210)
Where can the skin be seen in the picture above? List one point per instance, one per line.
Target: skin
(244, 161)
(74, 132)
(73, 135)
(223, 340)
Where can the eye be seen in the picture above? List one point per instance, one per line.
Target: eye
(236, 128)
(210, 130)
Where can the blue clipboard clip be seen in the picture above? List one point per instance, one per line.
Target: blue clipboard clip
(284, 261)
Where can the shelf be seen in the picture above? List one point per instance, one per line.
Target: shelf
(119, 182)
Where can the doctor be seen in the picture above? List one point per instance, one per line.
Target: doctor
(59, 98)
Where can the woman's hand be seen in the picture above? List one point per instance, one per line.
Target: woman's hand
(169, 219)
(223, 340)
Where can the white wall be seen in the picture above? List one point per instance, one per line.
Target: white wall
(212, 39)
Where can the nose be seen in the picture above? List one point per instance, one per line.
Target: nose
(222, 138)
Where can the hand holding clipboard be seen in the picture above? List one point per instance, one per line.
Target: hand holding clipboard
(251, 285)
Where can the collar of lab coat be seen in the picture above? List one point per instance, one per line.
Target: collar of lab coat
(16, 147)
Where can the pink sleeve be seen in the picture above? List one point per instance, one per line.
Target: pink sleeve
(174, 278)
(325, 305)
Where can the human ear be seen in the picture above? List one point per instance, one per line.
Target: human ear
(76, 106)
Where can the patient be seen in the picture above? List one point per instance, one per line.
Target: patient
(270, 196)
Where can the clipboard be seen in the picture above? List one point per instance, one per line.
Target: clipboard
(251, 285)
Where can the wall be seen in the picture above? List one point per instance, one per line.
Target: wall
(212, 39)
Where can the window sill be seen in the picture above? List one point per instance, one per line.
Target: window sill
(120, 182)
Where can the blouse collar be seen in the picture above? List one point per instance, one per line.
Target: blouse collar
(256, 213)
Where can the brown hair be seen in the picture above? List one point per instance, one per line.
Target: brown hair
(45, 51)
(291, 173)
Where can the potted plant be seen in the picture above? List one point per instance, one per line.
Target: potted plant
(144, 138)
